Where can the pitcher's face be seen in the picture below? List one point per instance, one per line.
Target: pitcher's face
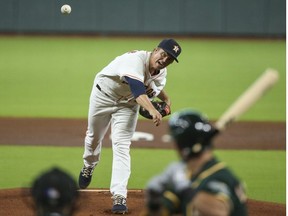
(160, 59)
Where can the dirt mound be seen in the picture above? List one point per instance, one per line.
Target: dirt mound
(98, 202)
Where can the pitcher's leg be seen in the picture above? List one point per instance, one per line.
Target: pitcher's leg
(120, 169)
(123, 126)
(98, 122)
(97, 128)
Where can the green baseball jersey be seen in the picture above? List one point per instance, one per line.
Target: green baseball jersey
(215, 178)
(178, 187)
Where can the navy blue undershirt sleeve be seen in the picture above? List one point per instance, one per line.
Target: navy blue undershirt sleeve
(137, 87)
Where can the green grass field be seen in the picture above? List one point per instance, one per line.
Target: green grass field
(53, 76)
(262, 171)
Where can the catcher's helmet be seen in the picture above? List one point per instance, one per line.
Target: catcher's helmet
(54, 191)
(191, 132)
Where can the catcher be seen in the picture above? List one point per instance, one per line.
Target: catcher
(54, 193)
(199, 184)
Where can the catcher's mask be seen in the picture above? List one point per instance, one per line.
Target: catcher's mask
(54, 191)
(191, 132)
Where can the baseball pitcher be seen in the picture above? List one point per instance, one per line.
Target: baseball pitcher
(129, 81)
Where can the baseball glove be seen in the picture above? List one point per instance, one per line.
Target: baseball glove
(160, 106)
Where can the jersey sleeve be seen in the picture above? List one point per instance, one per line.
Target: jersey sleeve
(173, 177)
(218, 188)
(137, 87)
(133, 66)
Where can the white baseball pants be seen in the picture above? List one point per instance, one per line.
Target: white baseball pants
(103, 111)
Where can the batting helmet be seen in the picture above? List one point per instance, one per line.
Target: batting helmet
(191, 132)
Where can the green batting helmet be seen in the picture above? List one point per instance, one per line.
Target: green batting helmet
(191, 132)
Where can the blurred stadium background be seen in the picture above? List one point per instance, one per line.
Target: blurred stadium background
(261, 18)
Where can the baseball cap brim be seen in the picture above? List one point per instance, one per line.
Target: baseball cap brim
(171, 54)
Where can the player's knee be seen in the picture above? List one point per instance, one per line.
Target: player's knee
(122, 147)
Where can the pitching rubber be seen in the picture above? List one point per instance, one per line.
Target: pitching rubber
(104, 190)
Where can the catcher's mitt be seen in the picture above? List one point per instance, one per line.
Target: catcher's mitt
(160, 106)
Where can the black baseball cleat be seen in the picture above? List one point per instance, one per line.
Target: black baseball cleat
(119, 204)
(85, 177)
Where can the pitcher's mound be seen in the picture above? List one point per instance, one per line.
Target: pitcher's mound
(98, 203)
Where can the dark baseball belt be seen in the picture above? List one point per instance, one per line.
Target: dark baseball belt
(99, 88)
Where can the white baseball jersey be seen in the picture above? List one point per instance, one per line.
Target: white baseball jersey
(135, 65)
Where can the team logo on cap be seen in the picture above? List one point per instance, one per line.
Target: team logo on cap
(176, 48)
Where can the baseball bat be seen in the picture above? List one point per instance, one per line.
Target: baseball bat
(248, 98)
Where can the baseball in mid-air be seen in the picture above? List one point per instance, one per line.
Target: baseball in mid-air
(66, 9)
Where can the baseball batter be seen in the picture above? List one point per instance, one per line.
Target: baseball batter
(130, 80)
(199, 184)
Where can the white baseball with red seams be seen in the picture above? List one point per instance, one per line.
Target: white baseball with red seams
(66, 9)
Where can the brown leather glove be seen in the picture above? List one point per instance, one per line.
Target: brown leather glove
(160, 106)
